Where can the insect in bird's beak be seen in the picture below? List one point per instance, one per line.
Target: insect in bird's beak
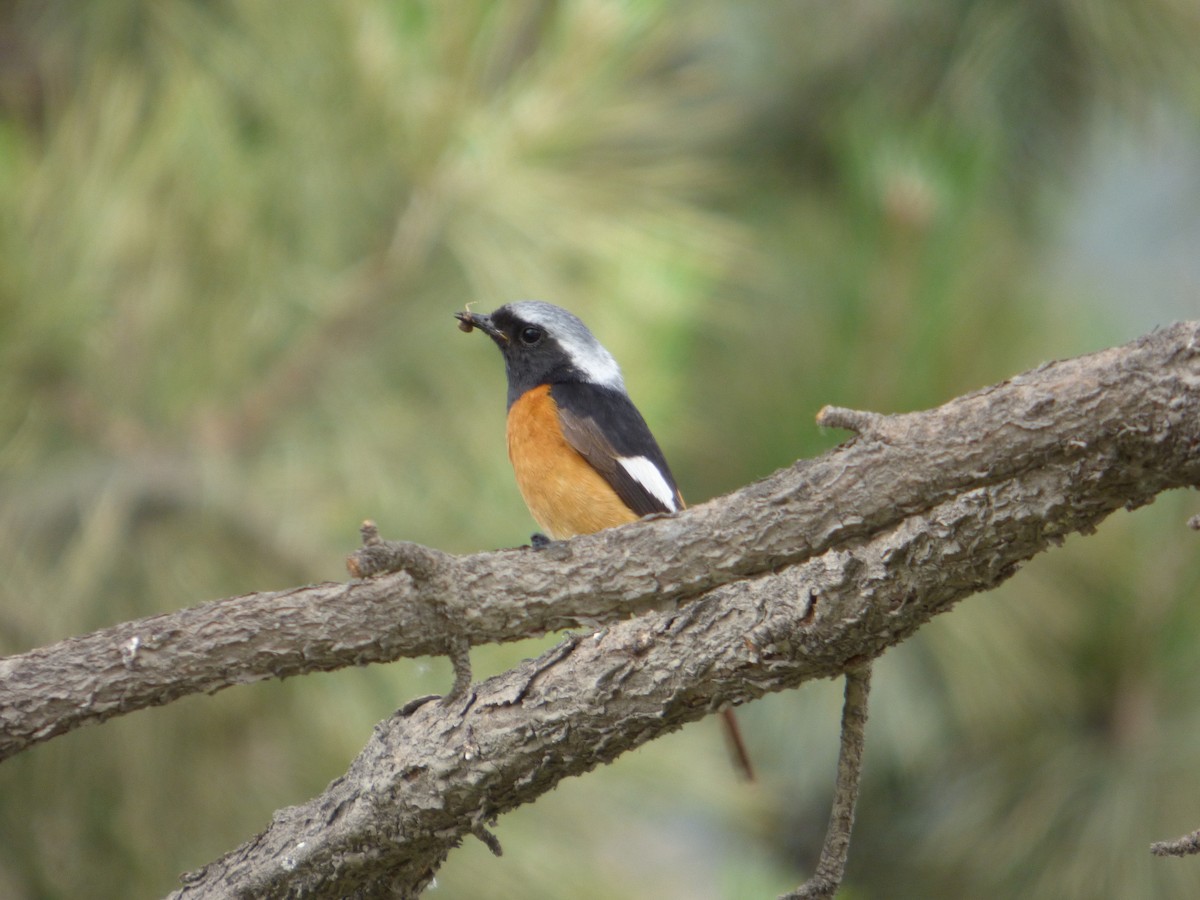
(465, 320)
(469, 321)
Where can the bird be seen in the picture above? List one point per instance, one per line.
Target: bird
(583, 455)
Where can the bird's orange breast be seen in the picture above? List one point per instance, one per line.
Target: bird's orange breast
(565, 495)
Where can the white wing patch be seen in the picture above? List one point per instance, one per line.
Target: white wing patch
(648, 476)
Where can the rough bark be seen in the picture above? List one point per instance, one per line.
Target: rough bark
(805, 574)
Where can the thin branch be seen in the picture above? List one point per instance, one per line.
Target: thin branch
(1188, 845)
(832, 864)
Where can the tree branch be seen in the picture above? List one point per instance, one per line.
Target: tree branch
(805, 574)
(832, 863)
(1188, 845)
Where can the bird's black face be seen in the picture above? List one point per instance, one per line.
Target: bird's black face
(533, 355)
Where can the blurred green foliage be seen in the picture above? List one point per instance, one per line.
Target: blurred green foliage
(231, 238)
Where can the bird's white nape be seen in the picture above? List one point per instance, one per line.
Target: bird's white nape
(587, 354)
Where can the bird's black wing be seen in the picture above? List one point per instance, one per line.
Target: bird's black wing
(607, 430)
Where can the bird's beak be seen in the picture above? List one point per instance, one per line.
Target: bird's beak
(467, 321)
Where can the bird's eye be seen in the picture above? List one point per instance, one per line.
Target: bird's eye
(530, 335)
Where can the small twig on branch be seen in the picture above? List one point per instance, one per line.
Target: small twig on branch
(857, 420)
(427, 567)
(377, 556)
(488, 839)
(832, 864)
(1188, 845)
(458, 650)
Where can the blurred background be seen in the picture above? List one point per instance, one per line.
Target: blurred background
(231, 239)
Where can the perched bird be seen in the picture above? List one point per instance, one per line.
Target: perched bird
(582, 453)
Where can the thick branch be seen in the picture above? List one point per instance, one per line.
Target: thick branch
(1051, 451)
(428, 780)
